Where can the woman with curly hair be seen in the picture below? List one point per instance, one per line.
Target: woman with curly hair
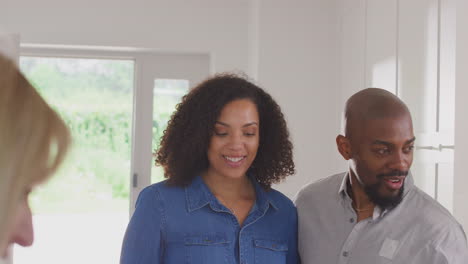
(224, 147)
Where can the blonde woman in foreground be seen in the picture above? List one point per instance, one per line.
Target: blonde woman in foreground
(33, 142)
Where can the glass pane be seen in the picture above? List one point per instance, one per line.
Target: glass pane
(445, 172)
(424, 175)
(83, 211)
(167, 94)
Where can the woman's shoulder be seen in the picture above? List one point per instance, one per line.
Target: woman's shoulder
(162, 189)
(280, 200)
(165, 186)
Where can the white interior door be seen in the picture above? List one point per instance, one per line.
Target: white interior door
(409, 49)
(427, 84)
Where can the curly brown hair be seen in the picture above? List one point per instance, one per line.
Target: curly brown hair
(184, 144)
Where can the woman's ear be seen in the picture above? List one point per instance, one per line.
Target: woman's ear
(344, 147)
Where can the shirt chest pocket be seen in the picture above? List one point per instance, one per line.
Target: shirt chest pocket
(208, 248)
(270, 251)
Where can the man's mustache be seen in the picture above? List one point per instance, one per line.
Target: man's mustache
(392, 174)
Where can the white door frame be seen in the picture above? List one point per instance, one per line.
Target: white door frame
(149, 65)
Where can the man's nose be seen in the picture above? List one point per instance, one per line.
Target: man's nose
(400, 161)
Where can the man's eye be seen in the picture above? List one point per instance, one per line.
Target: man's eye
(409, 149)
(383, 151)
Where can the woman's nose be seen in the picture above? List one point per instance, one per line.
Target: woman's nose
(236, 141)
(23, 233)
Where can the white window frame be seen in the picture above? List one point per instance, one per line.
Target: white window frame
(149, 65)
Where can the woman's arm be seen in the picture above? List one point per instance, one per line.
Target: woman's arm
(293, 255)
(142, 241)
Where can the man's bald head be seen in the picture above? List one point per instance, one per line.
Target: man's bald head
(369, 104)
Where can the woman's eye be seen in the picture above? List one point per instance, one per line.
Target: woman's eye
(221, 133)
(249, 134)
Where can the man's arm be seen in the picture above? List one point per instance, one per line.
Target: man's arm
(450, 248)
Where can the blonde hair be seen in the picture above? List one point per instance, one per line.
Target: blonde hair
(33, 141)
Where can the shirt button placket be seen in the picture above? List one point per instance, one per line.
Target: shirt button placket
(351, 240)
(242, 252)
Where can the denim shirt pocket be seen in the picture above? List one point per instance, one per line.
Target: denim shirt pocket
(206, 248)
(270, 251)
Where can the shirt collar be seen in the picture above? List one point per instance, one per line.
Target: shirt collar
(199, 195)
(343, 192)
(378, 212)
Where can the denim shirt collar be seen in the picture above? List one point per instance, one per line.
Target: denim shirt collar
(199, 195)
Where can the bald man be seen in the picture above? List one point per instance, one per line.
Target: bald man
(373, 214)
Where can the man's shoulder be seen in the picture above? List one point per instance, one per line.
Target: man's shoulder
(431, 215)
(428, 205)
(328, 186)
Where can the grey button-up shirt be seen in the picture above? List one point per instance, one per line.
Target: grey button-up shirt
(418, 231)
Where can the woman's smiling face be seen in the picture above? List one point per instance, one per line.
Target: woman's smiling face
(234, 144)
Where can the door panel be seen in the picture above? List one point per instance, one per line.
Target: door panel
(410, 50)
(426, 83)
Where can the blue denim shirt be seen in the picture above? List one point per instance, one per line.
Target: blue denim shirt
(176, 225)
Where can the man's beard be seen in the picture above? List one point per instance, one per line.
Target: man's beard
(385, 202)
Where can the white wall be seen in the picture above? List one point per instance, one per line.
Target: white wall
(298, 63)
(461, 130)
(352, 48)
(9, 45)
(219, 27)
